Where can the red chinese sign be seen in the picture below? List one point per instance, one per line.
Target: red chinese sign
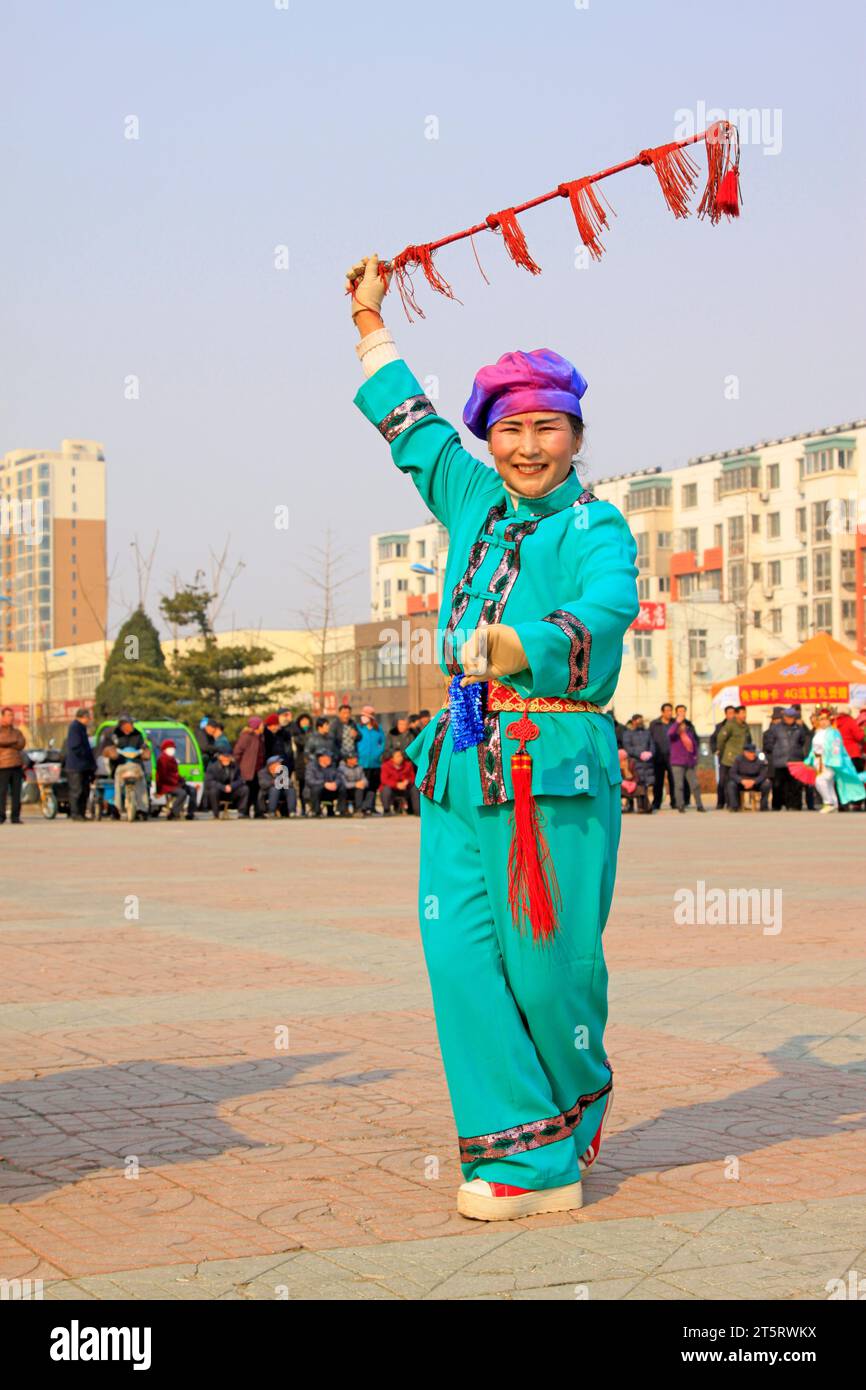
(796, 691)
(650, 617)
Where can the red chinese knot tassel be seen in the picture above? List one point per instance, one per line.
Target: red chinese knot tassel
(533, 890)
(515, 242)
(722, 193)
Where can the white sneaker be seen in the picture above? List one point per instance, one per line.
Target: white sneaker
(499, 1201)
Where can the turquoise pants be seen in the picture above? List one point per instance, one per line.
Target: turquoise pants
(520, 1024)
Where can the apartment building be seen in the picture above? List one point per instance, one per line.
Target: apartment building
(406, 570)
(742, 555)
(53, 588)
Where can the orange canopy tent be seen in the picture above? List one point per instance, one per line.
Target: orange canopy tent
(821, 670)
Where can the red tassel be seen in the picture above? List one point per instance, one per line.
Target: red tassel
(515, 242)
(415, 256)
(721, 195)
(728, 197)
(676, 172)
(533, 890)
(588, 212)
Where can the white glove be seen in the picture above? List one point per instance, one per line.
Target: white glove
(504, 653)
(370, 290)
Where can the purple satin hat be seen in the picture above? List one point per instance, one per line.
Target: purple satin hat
(523, 381)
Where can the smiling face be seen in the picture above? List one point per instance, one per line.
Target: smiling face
(533, 451)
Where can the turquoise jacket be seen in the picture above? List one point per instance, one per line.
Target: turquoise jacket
(848, 781)
(560, 570)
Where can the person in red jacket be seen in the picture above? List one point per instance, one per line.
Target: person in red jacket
(397, 787)
(170, 784)
(852, 736)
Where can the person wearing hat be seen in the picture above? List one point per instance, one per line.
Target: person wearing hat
(837, 780)
(784, 743)
(371, 751)
(639, 744)
(127, 752)
(224, 784)
(518, 773)
(279, 729)
(276, 792)
(250, 754)
(206, 736)
(747, 773)
(171, 785)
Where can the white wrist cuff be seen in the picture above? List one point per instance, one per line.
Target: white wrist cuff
(375, 349)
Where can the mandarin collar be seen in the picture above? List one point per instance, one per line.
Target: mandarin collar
(562, 496)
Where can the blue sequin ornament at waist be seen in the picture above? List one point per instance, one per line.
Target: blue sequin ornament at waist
(467, 713)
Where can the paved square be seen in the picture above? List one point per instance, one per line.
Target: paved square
(219, 1074)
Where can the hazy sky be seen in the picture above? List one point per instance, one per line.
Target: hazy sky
(261, 126)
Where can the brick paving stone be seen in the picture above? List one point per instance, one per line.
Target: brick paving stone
(256, 1048)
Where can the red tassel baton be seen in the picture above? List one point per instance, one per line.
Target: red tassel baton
(533, 890)
(675, 170)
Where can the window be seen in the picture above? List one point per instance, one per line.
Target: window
(774, 526)
(642, 540)
(849, 617)
(756, 523)
(774, 573)
(690, 499)
(802, 569)
(663, 540)
(819, 522)
(664, 584)
(802, 621)
(824, 460)
(643, 644)
(386, 593)
(717, 534)
(776, 620)
(740, 478)
(388, 550)
(422, 549)
(849, 574)
(643, 498)
(85, 681)
(756, 617)
(375, 667)
(772, 476)
(643, 588)
(690, 538)
(402, 585)
(756, 574)
(736, 582)
(822, 581)
(823, 615)
(735, 535)
(697, 643)
(800, 523)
